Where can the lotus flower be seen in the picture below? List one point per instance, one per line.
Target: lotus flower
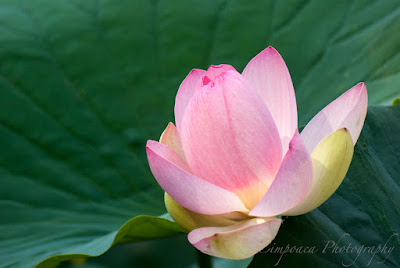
(235, 161)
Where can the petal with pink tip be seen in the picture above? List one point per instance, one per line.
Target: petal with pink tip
(173, 175)
(170, 138)
(268, 74)
(347, 111)
(230, 139)
(238, 241)
(292, 183)
(185, 93)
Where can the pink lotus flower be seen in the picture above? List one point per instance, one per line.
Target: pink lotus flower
(235, 159)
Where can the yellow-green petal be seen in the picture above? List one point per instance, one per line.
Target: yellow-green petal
(190, 220)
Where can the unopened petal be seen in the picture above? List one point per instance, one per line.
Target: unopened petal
(331, 160)
(239, 241)
(268, 74)
(347, 111)
(174, 176)
(230, 139)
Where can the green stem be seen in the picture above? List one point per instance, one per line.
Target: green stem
(203, 260)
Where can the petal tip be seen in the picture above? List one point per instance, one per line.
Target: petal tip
(169, 127)
(149, 143)
(270, 50)
(195, 70)
(361, 88)
(294, 140)
(361, 84)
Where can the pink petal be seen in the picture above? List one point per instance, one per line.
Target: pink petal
(173, 175)
(347, 111)
(185, 93)
(238, 241)
(230, 139)
(269, 76)
(292, 183)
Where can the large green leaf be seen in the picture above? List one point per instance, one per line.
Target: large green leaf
(83, 85)
(365, 211)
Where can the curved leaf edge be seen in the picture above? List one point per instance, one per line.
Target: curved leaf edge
(132, 231)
